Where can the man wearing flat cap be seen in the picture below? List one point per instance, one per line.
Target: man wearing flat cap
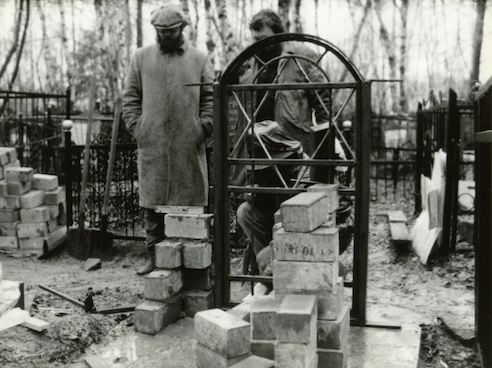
(170, 116)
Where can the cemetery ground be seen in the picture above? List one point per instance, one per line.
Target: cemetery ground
(438, 296)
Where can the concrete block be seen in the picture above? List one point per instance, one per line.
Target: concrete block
(207, 358)
(241, 311)
(52, 224)
(222, 333)
(263, 348)
(15, 163)
(256, 362)
(296, 319)
(33, 198)
(277, 216)
(3, 187)
(159, 285)
(319, 245)
(8, 228)
(54, 211)
(334, 334)
(304, 212)
(264, 318)
(190, 226)
(54, 197)
(168, 254)
(330, 302)
(9, 215)
(197, 279)
(4, 157)
(308, 276)
(45, 182)
(35, 244)
(152, 317)
(8, 155)
(197, 255)
(37, 214)
(331, 191)
(56, 238)
(197, 300)
(336, 358)
(11, 202)
(17, 188)
(9, 242)
(32, 230)
(292, 355)
(18, 174)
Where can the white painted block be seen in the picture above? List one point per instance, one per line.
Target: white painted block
(33, 198)
(37, 214)
(45, 182)
(190, 226)
(304, 212)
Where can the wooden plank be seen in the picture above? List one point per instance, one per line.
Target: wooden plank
(197, 210)
(36, 324)
(399, 234)
(396, 216)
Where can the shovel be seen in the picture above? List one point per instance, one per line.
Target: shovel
(79, 239)
(102, 242)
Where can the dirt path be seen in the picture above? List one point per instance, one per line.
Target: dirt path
(400, 290)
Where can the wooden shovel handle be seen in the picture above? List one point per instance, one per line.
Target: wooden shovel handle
(112, 154)
(87, 154)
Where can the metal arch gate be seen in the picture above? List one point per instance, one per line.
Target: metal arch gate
(357, 92)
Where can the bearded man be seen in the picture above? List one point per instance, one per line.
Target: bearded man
(167, 107)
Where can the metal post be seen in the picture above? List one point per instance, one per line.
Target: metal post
(362, 195)
(418, 160)
(67, 126)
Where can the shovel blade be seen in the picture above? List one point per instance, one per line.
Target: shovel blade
(102, 245)
(79, 242)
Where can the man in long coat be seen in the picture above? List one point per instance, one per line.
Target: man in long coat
(170, 121)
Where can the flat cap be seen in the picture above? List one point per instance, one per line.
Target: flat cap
(168, 16)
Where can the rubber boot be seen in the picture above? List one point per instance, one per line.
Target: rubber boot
(149, 265)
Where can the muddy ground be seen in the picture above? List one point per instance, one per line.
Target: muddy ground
(439, 297)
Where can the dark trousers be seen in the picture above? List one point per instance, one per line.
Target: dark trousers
(154, 228)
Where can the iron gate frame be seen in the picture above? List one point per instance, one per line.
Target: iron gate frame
(222, 162)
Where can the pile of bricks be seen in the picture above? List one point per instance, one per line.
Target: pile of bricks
(303, 322)
(223, 340)
(32, 207)
(182, 281)
(306, 251)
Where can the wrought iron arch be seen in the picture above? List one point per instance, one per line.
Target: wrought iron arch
(227, 85)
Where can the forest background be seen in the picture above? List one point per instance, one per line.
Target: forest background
(430, 45)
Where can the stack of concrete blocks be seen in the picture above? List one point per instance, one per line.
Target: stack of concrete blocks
(223, 340)
(32, 207)
(182, 280)
(306, 251)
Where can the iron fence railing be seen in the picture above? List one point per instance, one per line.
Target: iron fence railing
(31, 122)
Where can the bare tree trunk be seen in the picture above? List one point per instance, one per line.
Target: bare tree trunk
(191, 26)
(194, 27)
(283, 12)
(478, 39)
(358, 33)
(64, 49)
(14, 46)
(225, 32)
(210, 42)
(403, 55)
(128, 31)
(139, 24)
(22, 43)
(316, 9)
(389, 47)
(297, 17)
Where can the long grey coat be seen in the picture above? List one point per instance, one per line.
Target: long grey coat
(169, 121)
